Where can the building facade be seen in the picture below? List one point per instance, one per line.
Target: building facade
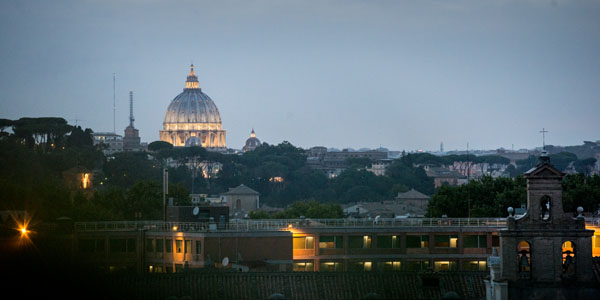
(241, 200)
(193, 119)
(110, 141)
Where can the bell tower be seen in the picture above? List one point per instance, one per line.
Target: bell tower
(546, 251)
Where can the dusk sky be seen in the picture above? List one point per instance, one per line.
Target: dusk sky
(405, 75)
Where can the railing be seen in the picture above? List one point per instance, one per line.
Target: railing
(286, 224)
(289, 224)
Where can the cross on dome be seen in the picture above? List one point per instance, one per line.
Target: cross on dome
(192, 79)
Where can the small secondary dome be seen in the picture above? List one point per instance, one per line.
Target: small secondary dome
(252, 142)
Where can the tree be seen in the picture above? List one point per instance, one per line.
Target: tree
(180, 195)
(126, 168)
(144, 197)
(310, 209)
(159, 145)
(485, 197)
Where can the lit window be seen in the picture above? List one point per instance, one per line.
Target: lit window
(417, 241)
(446, 241)
(330, 266)
(356, 242)
(475, 265)
(388, 241)
(388, 266)
(304, 242)
(331, 242)
(304, 266)
(179, 246)
(444, 266)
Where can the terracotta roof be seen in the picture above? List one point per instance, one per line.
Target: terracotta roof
(241, 189)
(298, 285)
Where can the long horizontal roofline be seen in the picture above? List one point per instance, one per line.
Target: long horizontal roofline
(288, 224)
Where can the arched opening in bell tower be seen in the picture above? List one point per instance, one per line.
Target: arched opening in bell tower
(545, 205)
(524, 259)
(568, 259)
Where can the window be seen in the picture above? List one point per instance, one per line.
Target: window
(304, 266)
(188, 246)
(150, 245)
(388, 266)
(474, 265)
(388, 241)
(495, 241)
(360, 266)
(417, 241)
(331, 242)
(417, 265)
(475, 241)
(304, 242)
(446, 241)
(444, 266)
(356, 242)
(330, 266)
(178, 246)
(169, 245)
(159, 245)
(118, 245)
(198, 247)
(131, 245)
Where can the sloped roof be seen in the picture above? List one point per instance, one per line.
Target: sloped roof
(543, 170)
(301, 285)
(412, 194)
(241, 190)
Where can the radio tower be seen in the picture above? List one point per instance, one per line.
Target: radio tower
(131, 119)
(114, 107)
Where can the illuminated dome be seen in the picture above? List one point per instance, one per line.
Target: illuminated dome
(193, 114)
(252, 142)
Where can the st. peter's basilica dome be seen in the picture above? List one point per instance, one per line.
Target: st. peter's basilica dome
(192, 114)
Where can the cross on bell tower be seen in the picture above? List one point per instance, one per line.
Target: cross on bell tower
(543, 132)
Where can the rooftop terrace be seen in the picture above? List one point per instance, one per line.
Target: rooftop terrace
(287, 224)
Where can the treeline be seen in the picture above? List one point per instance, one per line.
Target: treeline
(281, 176)
(561, 160)
(430, 159)
(307, 209)
(39, 158)
(489, 197)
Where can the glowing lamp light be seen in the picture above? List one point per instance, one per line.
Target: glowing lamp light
(290, 226)
(174, 228)
(24, 231)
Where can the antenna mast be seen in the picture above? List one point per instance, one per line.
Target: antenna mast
(131, 119)
(114, 107)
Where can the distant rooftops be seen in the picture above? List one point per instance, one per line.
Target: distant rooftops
(241, 190)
